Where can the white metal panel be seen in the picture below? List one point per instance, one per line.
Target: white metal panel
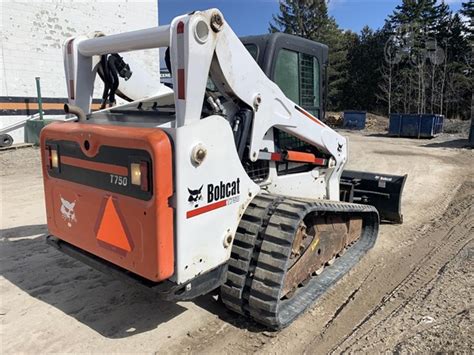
(200, 239)
(80, 74)
(300, 185)
(192, 58)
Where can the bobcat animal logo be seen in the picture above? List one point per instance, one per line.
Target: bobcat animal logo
(67, 211)
(195, 196)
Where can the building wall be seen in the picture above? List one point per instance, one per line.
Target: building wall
(33, 33)
(31, 38)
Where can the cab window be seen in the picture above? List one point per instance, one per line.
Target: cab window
(298, 76)
(286, 74)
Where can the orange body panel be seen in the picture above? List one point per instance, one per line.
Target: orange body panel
(130, 232)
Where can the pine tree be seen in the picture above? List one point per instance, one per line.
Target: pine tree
(294, 15)
(459, 70)
(420, 61)
(467, 10)
(309, 19)
(338, 43)
(365, 56)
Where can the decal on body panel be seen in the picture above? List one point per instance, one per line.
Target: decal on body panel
(67, 211)
(195, 196)
(218, 195)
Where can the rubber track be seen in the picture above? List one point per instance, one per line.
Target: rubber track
(235, 292)
(264, 283)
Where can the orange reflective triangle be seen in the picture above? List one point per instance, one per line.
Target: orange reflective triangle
(111, 230)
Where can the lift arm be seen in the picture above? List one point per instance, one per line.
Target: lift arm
(203, 44)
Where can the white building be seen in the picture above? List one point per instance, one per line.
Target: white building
(31, 38)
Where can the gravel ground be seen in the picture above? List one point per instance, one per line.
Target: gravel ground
(411, 293)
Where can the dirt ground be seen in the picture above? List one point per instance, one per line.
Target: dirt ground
(374, 122)
(411, 293)
(379, 124)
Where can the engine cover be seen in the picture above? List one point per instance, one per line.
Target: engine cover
(107, 191)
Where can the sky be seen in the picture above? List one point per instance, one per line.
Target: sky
(251, 17)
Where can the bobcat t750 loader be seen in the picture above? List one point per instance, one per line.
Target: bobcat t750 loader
(224, 181)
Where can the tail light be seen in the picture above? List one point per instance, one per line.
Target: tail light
(53, 158)
(140, 175)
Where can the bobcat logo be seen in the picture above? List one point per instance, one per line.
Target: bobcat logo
(195, 196)
(67, 211)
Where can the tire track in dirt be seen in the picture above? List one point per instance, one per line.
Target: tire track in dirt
(406, 235)
(334, 317)
(96, 313)
(391, 264)
(456, 337)
(438, 308)
(457, 232)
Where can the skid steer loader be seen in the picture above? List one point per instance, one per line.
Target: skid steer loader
(224, 181)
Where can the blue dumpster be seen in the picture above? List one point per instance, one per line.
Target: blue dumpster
(354, 119)
(415, 125)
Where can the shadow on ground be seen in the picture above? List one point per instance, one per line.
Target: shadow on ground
(108, 306)
(24, 231)
(382, 135)
(455, 143)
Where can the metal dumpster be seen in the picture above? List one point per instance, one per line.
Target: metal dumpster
(415, 125)
(354, 119)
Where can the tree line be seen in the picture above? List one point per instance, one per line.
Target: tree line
(420, 61)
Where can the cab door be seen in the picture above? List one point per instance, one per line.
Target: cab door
(297, 65)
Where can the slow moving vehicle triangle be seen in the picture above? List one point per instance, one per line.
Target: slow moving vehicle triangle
(111, 230)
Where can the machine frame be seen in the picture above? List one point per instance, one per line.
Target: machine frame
(201, 45)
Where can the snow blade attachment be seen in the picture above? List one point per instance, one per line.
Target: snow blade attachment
(382, 191)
